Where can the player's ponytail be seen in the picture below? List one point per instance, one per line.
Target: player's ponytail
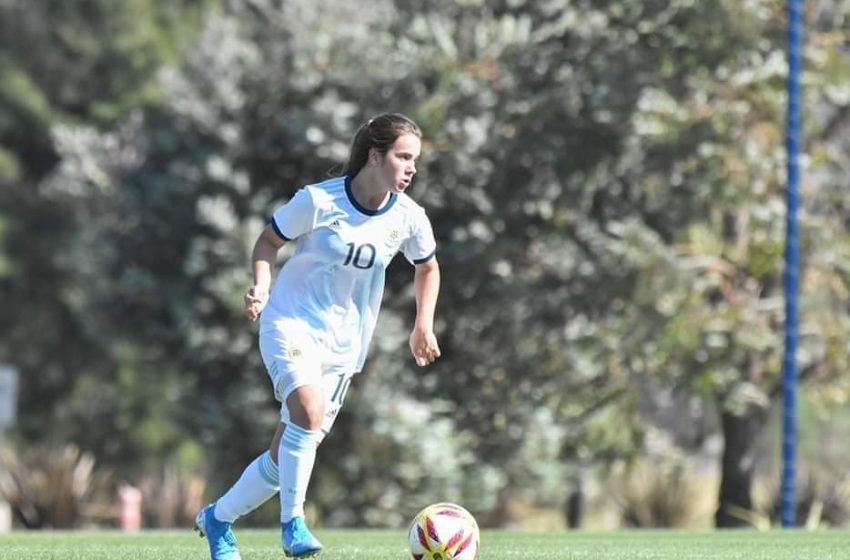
(380, 133)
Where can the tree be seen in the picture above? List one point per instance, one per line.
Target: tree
(625, 210)
(605, 181)
(74, 65)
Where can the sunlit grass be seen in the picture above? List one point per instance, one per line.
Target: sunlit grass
(391, 545)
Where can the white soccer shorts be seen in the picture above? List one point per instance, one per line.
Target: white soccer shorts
(298, 358)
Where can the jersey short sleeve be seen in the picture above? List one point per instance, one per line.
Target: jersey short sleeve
(296, 217)
(420, 247)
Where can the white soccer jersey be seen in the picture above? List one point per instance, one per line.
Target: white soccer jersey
(334, 282)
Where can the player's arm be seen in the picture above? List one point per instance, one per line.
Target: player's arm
(426, 284)
(263, 258)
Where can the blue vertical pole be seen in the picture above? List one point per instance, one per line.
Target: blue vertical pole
(792, 265)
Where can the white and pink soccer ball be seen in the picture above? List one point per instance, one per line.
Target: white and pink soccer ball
(444, 531)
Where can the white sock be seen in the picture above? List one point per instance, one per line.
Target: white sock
(296, 456)
(257, 484)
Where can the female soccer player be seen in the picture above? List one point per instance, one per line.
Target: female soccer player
(316, 324)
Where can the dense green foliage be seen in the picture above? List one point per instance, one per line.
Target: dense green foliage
(605, 179)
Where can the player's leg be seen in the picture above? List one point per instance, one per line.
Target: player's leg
(293, 358)
(297, 452)
(258, 483)
(297, 456)
(309, 414)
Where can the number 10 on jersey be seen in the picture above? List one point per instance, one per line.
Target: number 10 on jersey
(360, 256)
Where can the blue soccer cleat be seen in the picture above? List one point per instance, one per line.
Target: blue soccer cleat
(297, 539)
(221, 539)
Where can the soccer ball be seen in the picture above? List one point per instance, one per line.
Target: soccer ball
(443, 531)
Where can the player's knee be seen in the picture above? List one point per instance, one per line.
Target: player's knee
(314, 414)
(308, 416)
(307, 409)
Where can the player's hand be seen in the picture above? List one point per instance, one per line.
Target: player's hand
(255, 301)
(423, 345)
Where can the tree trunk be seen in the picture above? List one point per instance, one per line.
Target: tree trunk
(574, 508)
(740, 434)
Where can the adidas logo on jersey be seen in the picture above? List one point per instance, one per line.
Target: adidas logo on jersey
(335, 224)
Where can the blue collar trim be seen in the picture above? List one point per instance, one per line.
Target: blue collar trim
(363, 210)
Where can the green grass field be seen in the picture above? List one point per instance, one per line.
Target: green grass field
(391, 545)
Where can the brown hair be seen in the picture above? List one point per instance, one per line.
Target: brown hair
(380, 133)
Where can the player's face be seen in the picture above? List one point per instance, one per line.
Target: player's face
(399, 163)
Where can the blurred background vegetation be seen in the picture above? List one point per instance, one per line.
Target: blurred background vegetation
(606, 181)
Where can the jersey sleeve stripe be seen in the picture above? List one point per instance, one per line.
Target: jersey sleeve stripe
(426, 258)
(277, 230)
